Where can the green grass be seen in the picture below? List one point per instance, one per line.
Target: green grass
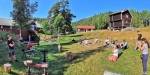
(92, 59)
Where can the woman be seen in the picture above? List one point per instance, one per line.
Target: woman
(144, 49)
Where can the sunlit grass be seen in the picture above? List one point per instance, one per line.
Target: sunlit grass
(94, 63)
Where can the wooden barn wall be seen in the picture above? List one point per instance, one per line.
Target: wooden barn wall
(25, 33)
(116, 17)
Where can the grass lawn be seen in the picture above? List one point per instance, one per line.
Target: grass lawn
(92, 59)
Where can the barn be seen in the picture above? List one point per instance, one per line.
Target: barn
(6, 24)
(120, 20)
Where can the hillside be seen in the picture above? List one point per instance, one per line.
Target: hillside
(100, 20)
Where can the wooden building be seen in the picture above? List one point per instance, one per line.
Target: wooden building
(7, 25)
(85, 28)
(120, 20)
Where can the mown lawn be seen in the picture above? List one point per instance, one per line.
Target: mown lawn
(92, 59)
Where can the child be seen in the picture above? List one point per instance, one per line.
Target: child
(124, 44)
(114, 56)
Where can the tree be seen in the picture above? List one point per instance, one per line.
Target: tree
(22, 12)
(101, 20)
(60, 18)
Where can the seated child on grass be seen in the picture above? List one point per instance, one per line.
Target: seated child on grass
(124, 44)
(114, 56)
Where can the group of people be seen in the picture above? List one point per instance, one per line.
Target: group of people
(87, 42)
(143, 46)
(110, 43)
(117, 46)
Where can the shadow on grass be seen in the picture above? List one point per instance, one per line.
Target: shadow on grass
(85, 54)
(76, 35)
(13, 73)
(75, 41)
(60, 64)
(51, 48)
(70, 43)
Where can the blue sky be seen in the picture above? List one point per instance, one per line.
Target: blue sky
(81, 8)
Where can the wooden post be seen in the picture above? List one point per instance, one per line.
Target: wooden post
(29, 38)
(122, 21)
(7, 68)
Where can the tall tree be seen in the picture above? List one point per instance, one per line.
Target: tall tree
(60, 17)
(22, 12)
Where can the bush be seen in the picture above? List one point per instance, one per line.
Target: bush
(3, 36)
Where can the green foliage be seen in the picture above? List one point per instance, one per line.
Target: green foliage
(101, 20)
(45, 25)
(3, 36)
(139, 17)
(60, 18)
(22, 12)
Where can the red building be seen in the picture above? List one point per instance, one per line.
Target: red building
(85, 28)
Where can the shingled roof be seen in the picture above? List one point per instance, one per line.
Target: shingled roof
(9, 22)
(6, 22)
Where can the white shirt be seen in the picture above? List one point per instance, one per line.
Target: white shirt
(145, 50)
(107, 40)
(115, 52)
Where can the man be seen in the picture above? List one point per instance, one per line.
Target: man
(11, 47)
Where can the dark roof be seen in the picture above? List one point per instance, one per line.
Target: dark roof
(6, 22)
(9, 22)
(120, 12)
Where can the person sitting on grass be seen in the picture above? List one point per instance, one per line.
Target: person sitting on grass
(96, 40)
(11, 47)
(107, 42)
(124, 44)
(115, 54)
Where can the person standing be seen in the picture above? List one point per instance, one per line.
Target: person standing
(11, 47)
(138, 42)
(144, 50)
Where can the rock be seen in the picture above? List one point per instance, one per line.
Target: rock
(110, 73)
